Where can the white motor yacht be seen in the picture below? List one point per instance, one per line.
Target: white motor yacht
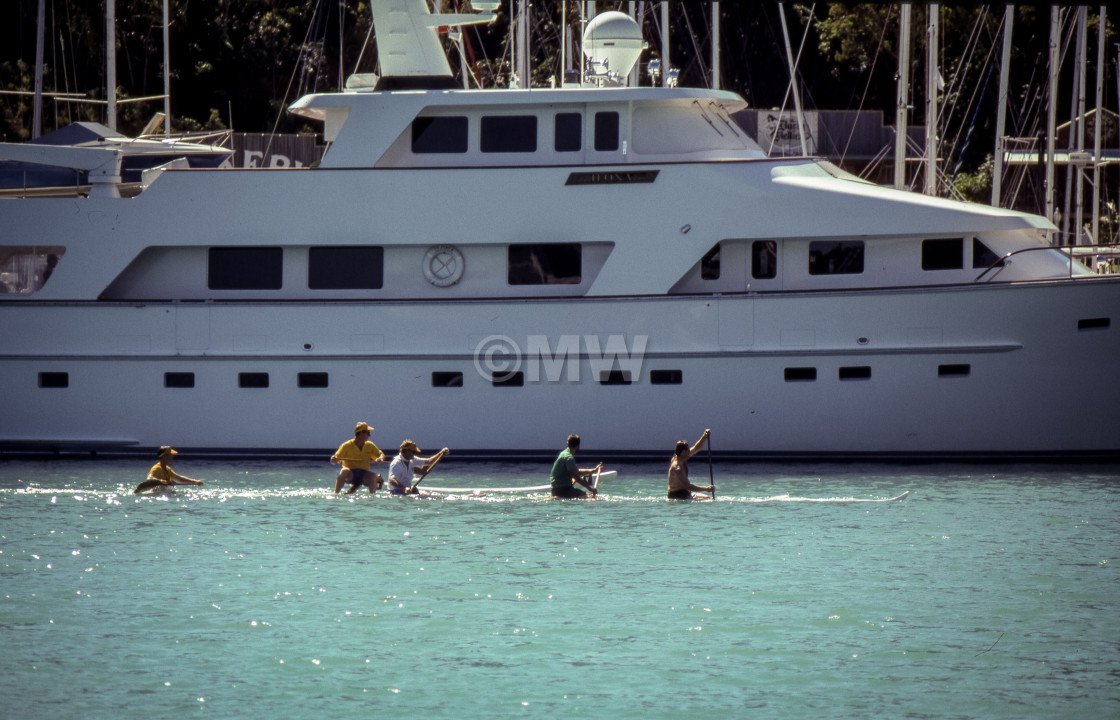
(492, 270)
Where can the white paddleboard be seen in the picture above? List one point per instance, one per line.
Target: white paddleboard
(605, 475)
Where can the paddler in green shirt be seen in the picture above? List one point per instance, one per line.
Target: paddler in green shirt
(566, 473)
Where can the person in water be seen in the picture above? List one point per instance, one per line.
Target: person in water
(406, 465)
(679, 486)
(162, 476)
(566, 473)
(355, 456)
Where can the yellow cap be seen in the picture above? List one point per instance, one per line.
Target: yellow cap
(362, 427)
(409, 445)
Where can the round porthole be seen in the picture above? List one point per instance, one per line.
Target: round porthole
(443, 265)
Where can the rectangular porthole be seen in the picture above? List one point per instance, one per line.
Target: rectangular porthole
(252, 380)
(857, 372)
(666, 377)
(447, 379)
(54, 380)
(516, 379)
(614, 377)
(962, 370)
(309, 380)
(1093, 323)
(801, 374)
(178, 380)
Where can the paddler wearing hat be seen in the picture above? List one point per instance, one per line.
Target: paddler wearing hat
(355, 456)
(161, 474)
(407, 465)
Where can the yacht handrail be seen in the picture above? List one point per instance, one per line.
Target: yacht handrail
(1060, 248)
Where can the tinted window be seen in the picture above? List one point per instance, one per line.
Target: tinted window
(447, 379)
(858, 372)
(312, 380)
(439, 135)
(252, 380)
(515, 379)
(178, 380)
(709, 264)
(246, 268)
(345, 268)
(509, 133)
(614, 377)
(945, 254)
(982, 255)
(801, 374)
(54, 379)
(606, 131)
(835, 257)
(569, 132)
(764, 259)
(666, 377)
(545, 264)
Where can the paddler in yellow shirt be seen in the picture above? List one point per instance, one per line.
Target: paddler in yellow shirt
(161, 475)
(355, 456)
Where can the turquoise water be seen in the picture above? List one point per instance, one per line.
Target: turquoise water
(988, 592)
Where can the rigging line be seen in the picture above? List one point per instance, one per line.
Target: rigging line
(948, 109)
(699, 57)
(792, 80)
(365, 44)
(867, 87)
(974, 105)
(284, 99)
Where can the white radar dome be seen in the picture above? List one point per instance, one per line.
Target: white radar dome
(615, 38)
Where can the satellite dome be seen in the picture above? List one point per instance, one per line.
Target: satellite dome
(612, 43)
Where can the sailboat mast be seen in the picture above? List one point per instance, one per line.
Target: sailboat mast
(1098, 120)
(37, 112)
(901, 105)
(111, 63)
(793, 81)
(933, 32)
(1001, 112)
(1052, 109)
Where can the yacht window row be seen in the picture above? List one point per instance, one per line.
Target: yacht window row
(454, 379)
(444, 134)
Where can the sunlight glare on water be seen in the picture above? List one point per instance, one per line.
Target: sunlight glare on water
(802, 591)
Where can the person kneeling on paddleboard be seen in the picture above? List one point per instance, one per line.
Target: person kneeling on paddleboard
(679, 486)
(406, 465)
(355, 456)
(566, 473)
(162, 476)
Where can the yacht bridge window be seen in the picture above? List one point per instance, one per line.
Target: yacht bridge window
(24, 270)
(709, 264)
(345, 268)
(439, 134)
(606, 131)
(568, 132)
(982, 255)
(943, 254)
(764, 259)
(835, 257)
(246, 268)
(508, 133)
(544, 264)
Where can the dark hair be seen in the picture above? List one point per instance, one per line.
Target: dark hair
(681, 447)
(573, 441)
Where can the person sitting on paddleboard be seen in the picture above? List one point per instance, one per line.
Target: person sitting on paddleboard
(566, 473)
(679, 486)
(161, 475)
(405, 466)
(355, 456)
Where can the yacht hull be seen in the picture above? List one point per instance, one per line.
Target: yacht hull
(983, 371)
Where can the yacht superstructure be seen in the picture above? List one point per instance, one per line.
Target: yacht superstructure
(491, 270)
